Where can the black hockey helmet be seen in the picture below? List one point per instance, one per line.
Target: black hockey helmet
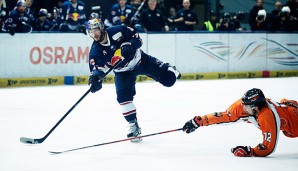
(254, 97)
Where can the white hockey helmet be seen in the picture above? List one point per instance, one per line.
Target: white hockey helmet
(95, 23)
(21, 3)
(286, 9)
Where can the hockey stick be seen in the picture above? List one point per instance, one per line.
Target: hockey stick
(136, 13)
(111, 142)
(40, 140)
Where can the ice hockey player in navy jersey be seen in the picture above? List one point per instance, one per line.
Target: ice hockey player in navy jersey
(108, 47)
(18, 21)
(73, 16)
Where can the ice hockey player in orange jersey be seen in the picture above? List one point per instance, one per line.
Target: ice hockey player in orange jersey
(269, 116)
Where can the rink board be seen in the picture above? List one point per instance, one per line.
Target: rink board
(71, 80)
(39, 59)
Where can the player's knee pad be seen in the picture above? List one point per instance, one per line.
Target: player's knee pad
(168, 79)
(125, 95)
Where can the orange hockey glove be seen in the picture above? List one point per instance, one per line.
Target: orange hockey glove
(242, 151)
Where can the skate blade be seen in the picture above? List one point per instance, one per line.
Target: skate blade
(136, 140)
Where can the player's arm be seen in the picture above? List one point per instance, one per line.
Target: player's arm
(97, 69)
(132, 36)
(269, 125)
(131, 42)
(180, 17)
(113, 16)
(129, 15)
(11, 22)
(232, 114)
(270, 131)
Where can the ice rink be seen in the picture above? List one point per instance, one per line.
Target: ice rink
(33, 111)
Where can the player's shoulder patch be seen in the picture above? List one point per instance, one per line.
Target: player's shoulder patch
(117, 36)
(131, 29)
(128, 11)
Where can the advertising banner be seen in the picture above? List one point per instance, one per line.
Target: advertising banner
(40, 58)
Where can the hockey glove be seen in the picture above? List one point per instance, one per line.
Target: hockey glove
(11, 31)
(192, 125)
(242, 151)
(96, 84)
(127, 50)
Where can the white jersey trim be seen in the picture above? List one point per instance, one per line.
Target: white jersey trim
(277, 119)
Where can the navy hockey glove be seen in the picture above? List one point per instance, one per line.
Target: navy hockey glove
(242, 151)
(127, 50)
(96, 84)
(192, 125)
(82, 28)
(11, 31)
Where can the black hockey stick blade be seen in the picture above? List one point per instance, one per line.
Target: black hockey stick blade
(31, 140)
(111, 142)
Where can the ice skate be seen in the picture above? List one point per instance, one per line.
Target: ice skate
(174, 69)
(134, 131)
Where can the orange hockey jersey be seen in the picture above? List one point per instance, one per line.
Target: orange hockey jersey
(272, 119)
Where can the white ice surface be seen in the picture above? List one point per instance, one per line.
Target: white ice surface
(33, 111)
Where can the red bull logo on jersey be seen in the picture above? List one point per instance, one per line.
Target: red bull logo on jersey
(74, 16)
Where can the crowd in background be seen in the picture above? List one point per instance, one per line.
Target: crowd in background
(71, 16)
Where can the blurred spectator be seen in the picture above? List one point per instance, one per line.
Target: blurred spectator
(237, 21)
(277, 8)
(261, 22)
(226, 23)
(18, 21)
(254, 12)
(187, 18)
(287, 22)
(73, 16)
(171, 19)
(55, 19)
(293, 5)
(161, 6)
(29, 11)
(4, 13)
(274, 15)
(135, 4)
(94, 15)
(152, 19)
(120, 14)
(211, 24)
(42, 23)
(138, 7)
(96, 12)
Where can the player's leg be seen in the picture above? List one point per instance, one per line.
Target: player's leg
(125, 89)
(161, 72)
(292, 117)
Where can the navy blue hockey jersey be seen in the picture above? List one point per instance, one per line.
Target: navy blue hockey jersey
(100, 55)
